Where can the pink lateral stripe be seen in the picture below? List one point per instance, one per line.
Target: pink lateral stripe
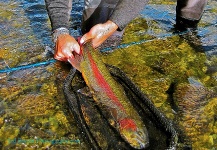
(127, 124)
(103, 84)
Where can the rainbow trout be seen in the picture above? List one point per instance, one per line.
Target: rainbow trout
(110, 97)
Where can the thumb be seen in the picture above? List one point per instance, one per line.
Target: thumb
(85, 38)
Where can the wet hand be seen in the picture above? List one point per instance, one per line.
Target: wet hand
(99, 33)
(66, 45)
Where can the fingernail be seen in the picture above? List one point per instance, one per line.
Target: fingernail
(81, 41)
(71, 56)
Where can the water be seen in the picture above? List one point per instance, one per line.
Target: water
(32, 106)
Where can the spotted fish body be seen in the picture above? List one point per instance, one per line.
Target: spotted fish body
(111, 97)
(192, 98)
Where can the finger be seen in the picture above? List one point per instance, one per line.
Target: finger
(96, 43)
(60, 58)
(76, 48)
(67, 50)
(58, 55)
(85, 38)
(71, 60)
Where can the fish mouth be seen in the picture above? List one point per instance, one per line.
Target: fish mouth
(138, 139)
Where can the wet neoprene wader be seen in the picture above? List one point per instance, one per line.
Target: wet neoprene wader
(121, 12)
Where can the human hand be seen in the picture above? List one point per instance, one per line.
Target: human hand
(66, 45)
(99, 33)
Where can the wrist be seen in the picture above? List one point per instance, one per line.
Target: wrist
(60, 31)
(112, 24)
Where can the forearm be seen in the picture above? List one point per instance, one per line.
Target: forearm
(127, 10)
(59, 12)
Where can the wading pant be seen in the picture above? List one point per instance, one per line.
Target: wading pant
(99, 11)
(190, 9)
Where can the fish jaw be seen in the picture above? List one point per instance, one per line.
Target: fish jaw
(137, 138)
(76, 61)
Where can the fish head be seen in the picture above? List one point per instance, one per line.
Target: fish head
(136, 136)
